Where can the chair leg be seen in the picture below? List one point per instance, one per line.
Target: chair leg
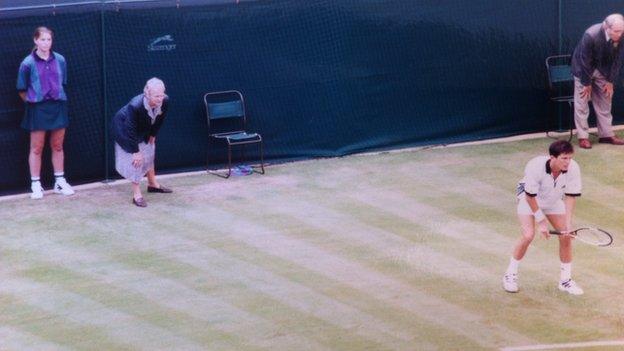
(208, 156)
(557, 111)
(261, 156)
(229, 161)
(560, 130)
(219, 173)
(571, 105)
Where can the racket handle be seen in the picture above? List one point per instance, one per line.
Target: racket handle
(559, 232)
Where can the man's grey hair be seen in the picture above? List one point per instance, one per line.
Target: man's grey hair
(153, 83)
(612, 19)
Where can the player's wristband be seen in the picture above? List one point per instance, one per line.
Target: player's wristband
(539, 215)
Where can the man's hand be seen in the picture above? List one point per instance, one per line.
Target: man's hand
(152, 140)
(568, 231)
(608, 90)
(543, 228)
(137, 159)
(586, 92)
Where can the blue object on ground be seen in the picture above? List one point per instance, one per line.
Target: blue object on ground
(242, 170)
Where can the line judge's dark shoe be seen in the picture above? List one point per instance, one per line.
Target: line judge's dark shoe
(162, 189)
(585, 144)
(140, 202)
(611, 140)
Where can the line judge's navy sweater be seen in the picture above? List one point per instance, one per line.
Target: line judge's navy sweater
(132, 125)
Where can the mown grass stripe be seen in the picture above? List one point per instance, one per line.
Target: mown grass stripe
(375, 240)
(328, 286)
(358, 276)
(16, 339)
(284, 302)
(192, 214)
(314, 216)
(53, 328)
(131, 303)
(168, 294)
(118, 325)
(330, 314)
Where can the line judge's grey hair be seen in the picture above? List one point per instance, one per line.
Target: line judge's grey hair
(153, 83)
(612, 19)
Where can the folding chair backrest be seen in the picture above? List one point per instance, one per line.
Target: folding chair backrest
(560, 78)
(228, 107)
(560, 74)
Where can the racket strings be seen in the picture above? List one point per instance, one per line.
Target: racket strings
(594, 236)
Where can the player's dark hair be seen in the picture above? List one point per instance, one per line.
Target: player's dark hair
(560, 147)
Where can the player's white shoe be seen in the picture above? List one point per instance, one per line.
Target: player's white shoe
(62, 187)
(570, 287)
(510, 282)
(37, 191)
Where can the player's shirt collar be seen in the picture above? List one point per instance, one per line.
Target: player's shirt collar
(549, 170)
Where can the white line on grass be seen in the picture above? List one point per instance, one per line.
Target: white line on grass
(573, 345)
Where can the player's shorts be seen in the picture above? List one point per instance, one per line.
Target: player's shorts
(556, 208)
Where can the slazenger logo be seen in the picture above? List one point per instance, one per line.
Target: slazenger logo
(164, 43)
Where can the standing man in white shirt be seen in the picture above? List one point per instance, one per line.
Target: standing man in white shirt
(547, 192)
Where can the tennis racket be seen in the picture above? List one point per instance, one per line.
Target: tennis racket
(591, 236)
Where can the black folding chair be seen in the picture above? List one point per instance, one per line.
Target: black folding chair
(561, 86)
(225, 111)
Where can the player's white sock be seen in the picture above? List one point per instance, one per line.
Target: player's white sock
(566, 271)
(513, 266)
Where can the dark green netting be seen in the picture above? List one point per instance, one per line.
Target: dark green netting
(320, 77)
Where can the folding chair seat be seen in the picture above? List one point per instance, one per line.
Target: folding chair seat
(225, 111)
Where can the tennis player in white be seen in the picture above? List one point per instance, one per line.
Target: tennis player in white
(548, 191)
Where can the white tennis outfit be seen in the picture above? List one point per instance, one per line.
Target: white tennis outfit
(539, 182)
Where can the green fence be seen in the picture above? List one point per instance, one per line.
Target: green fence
(320, 77)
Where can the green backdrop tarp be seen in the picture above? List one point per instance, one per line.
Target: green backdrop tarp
(320, 78)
